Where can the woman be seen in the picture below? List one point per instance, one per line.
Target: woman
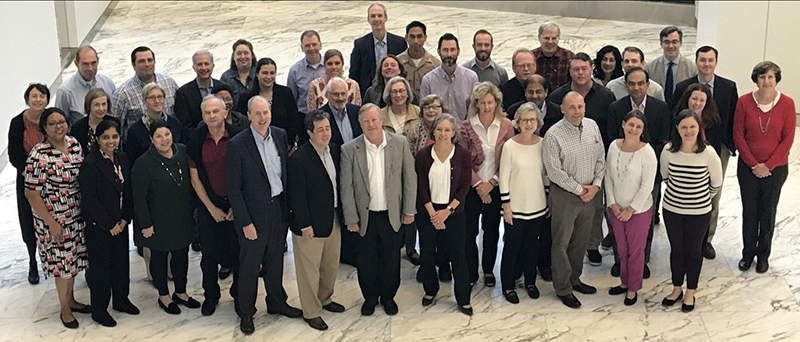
(105, 181)
(522, 191)
(138, 140)
(419, 136)
(236, 119)
(607, 65)
(763, 130)
(163, 200)
(400, 116)
(631, 168)
(281, 101)
(51, 187)
(242, 72)
(23, 135)
(693, 174)
(699, 99)
(443, 179)
(484, 133)
(334, 66)
(97, 106)
(389, 67)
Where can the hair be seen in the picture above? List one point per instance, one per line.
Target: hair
(598, 67)
(538, 79)
(580, 56)
(762, 68)
(634, 49)
(95, 93)
(256, 87)
(428, 99)
(378, 79)
(202, 52)
(478, 92)
(309, 33)
(710, 115)
(387, 90)
(521, 50)
(482, 31)
(669, 29)
(212, 97)
(331, 53)
(525, 108)
(149, 87)
(257, 98)
(252, 54)
(46, 114)
(634, 69)
(385, 12)
(675, 137)
(333, 80)
(704, 49)
(221, 86)
(446, 117)
(156, 125)
(313, 117)
(42, 88)
(83, 48)
(414, 24)
(366, 107)
(644, 137)
(447, 36)
(103, 126)
(140, 49)
(547, 25)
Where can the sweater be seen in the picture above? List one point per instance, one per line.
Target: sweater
(523, 181)
(771, 147)
(630, 177)
(692, 180)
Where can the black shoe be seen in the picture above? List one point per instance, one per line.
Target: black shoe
(444, 274)
(196, 246)
(656, 219)
(73, 324)
(190, 303)
(595, 258)
(368, 308)
(104, 319)
(466, 311)
(288, 311)
(224, 273)
(546, 273)
(390, 307)
(670, 302)
(511, 296)
(584, 288)
(688, 308)
(606, 243)
(246, 326)
(209, 307)
(709, 252)
(762, 265)
(171, 309)
(316, 323)
(745, 264)
(570, 300)
(646, 272)
(33, 274)
(427, 301)
(334, 307)
(631, 301)
(413, 256)
(488, 280)
(617, 290)
(615, 270)
(85, 309)
(127, 308)
(533, 292)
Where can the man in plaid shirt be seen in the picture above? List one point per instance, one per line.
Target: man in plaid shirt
(552, 61)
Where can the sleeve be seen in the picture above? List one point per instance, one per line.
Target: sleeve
(16, 149)
(424, 87)
(311, 98)
(118, 108)
(649, 166)
(613, 125)
(739, 139)
(552, 164)
(87, 180)
(141, 177)
(36, 170)
(503, 75)
(505, 173)
(466, 143)
(787, 138)
(62, 101)
(466, 172)
(298, 201)
(291, 83)
(665, 155)
(127, 196)
(600, 162)
(732, 106)
(355, 64)
(714, 171)
(611, 162)
(423, 182)
(409, 181)
(181, 111)
(356, 90)
(348, 195)
(233, 185)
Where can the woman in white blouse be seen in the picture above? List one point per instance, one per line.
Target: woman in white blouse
(631, 168)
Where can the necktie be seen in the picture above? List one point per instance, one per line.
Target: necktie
(669, 84)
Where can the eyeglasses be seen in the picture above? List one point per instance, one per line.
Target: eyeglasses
(528, 121)
(397, 91)
(671, 42)
(432, 106)
(525, 66)
(57, 123)
(155, 97)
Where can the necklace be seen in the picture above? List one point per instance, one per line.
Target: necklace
(761, 126)
(180, 172)
(622, 174)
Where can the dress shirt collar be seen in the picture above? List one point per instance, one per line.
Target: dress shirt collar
(86, 84)
(259, 137)
(639, 107)
(224, 135)
(381, 42)
(210, 85)
(710, 83)
(666, 60)
(544, 109)
(476, 121)
(473, 63)
(372, 147)
(308, 65)
(337, 113)
(456, 74)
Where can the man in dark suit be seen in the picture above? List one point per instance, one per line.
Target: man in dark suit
(371, 48)
(255, 177)
(190, 95)
(536, 89)
(725, 97)
(344, 115)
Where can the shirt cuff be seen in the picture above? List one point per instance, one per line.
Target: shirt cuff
(304, 229)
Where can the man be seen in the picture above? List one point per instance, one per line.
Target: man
(536, 90)
(306, 69)
(482, 64)
(452, 82)
(206, 148)
(128, 103)
(524, 65)
(552, 61)
(670, 68)
(314, 199)
(255, 176)
(633, 57)
(371, 48)
(416, 60)
(190, 95)
(725, 96)
(379, 188)
(71, 93)
(574, 158)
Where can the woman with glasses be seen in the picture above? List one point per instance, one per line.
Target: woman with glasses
(138, 136)
(400, 115)
(419, 136)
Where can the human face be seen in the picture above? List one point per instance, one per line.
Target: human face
(523, 65)
(580, 71)
(321, 135)
(266, 76)
(144, 64)
(528, 122)
(260, 115)
(162, 140)
(573, 108)
(633, 128)
(706, 63)
(399, 93)
(154, 101)
(371, 122)
(688, 129)
(109, 140)
(549, 40)
(227, 98)
(99, 107)
(416, 39)
(337, 96)
(87, 67)
(671, 44)
(765, 81)
(377, 18)
(608, 63)
(390, 68)
(487, 104)
(37, 100)
(449, 52)
(311, 47)
(631, 60)
(214, 113)
(56, 127)
(444, 131)
(431, 111)
(243, 57)
(637, 86)
(535, 93)
(697, 101)
(333, 67)
(483, 47)
(203, 67)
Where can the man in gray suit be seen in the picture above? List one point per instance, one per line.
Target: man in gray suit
(670, 68)
(379, 190)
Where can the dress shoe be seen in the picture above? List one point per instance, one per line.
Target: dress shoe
(171, 309)
(688, 308)
(316, 323)
(670, 302)
(413, 256)
(533, 292)
(84, 309)
(511, 296)
(427, 301)
(33, 274)
(595, 258)
(570, 300)
(390, 307)
(745, 264)
(224, 273)
(489, 280)
(368, 308)
(334, 307)
(656, 219)
(762, 265)
(127, 308)
(104, 319)
(466, 311)
(73, 324)
(546, 273)
(444, 274)
(209, 307)
(709, 252)
(631, 301)
(190, 303)
(196, 246)
(615, 270)
(646, 272)
(606, 243)
(288, 311)
(246, 326)
(584, 288)
(617, 290)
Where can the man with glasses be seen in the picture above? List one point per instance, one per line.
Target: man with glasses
(523, 63)
(552, 60)
(670, 68)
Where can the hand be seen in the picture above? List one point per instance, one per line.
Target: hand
(507, 215)
(250, 232)
(229, 215)
(407, 219)
(117, 229)
(761, 170)
(589, 192)
(353, 227)
(56, 232)
(483, 188)
(615, 209)
(486, 199)
(626, 214)
(216, 213)
(308, 233)
(438, 218)
(148, 232)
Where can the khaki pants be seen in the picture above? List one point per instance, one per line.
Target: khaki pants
(316, 263)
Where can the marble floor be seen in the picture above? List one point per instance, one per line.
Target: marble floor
(731, 305)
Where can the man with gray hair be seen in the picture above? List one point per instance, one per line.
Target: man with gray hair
(190, 95)
(306, 69)
(369, 50)
(552, 60)
(71, 93)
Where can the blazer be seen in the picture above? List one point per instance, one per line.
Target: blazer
(336, 134)
(247, 183)
(362, 59)
(552, 116)
(658, 115)
(194, 148)
(187, 105)
(726, 95)
(658, 71)
(138, 137)
(470, 142)
(400, 181)
(284, 112)
(101, 192)
(311, 193)
(460, 176)
(16, 148)
(80, 130)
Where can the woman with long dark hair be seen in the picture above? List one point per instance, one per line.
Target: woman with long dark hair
(280, 98)
(607, 65)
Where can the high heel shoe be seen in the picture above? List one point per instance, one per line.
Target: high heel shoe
(670, 302)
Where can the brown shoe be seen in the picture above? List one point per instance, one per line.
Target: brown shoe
(247, 325)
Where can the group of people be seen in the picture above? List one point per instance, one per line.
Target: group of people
(356, 166)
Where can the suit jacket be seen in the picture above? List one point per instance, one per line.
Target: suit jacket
(336, 134)
(362, 59)
(284, 111)
(101, 191)
(311, 193)
(400, 181)
(658, 71)
(659, 120)
(726, 96)
(247, 183)
(552, 116)
(187, 105)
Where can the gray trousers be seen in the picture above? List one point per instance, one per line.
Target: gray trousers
(572, 221)
(712, 226)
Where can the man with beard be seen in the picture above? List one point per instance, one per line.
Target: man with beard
(482, 64)
(552, 61)
(523, 63)
(416, 60)
(450, 81)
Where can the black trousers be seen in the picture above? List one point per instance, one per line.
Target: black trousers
(265, 251)
(109, 267)
(409, 236)
(178, 264)
(379, 258)
(26, 220)
(521, 251)
(759, 206)
(349, 247)
(687, 234)
(220, 243)
(489, 217)
(454, 237)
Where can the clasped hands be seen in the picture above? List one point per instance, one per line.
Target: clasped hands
(483, 189)
(622, 214)
(761, 170)
(588, 192)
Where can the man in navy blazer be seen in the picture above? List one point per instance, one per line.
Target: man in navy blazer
(190, 95)
(341, 112)
(371, 48)
(255, 178)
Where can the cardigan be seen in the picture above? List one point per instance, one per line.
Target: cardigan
(80, 131)
(692, 180)
(523, 180)
(471, 142)
(630, 177)
(772, 147)
(460, 177)
(412, 117)
(16, 149)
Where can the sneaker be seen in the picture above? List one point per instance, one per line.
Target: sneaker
(595, 258)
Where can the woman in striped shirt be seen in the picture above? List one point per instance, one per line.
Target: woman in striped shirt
(693, 174)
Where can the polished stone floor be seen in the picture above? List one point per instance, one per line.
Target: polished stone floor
(731, 305)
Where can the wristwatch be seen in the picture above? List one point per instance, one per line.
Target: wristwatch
(452, 210)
